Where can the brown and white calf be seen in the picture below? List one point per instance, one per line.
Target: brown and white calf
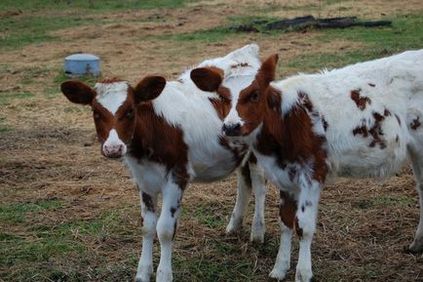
(359, 121)
(169, 133)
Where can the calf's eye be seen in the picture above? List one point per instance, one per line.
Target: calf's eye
(129, 114)
(96, 115)
(254, 97)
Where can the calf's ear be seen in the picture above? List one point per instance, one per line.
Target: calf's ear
(266, 73)
(149, 88)
(208, 78)
(78, 92)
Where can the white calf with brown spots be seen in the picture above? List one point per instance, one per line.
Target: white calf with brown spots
(169, 133)
(359, 121)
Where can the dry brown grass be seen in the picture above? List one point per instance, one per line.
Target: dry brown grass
(50, 154)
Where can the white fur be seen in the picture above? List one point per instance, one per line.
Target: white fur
(111, 95)
(113, 144)
(398, 88)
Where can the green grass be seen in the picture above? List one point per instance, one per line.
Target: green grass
(7, 97)
(380, 42)
(101, 5)
(29, 28)
(3, 125)
(50, 250)
(17, 212)
(405, 33)
(216, 34)
(21, 31)
(210, 215)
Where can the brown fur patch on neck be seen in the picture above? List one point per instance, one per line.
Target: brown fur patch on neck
(291, 139)
(158, 141)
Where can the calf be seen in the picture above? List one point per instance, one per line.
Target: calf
(359, 121)
(169, 133)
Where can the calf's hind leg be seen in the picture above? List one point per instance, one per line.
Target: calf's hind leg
(249, 177)
(242, 198)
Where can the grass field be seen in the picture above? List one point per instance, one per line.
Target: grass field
(68, 214)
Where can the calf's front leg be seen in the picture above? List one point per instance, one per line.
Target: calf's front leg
(166, 228)
(149, 220)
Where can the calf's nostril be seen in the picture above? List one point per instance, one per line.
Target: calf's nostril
(232, 129)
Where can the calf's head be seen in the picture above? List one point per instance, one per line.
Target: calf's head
(249, 95)
(114, 106)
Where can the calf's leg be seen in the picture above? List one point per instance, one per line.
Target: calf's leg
(258, 227)
(149, 220)
(242, 198)
(166, 228)
(306, 216)
(287, 210)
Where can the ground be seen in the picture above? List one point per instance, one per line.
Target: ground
(69, 214)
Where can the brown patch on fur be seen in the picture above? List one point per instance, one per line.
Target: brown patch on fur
(360, 101)
(148, 202)
(238, 153)
(375, 131)
(222, 105)
(362, 130)
(283, 138)
(415, 124)
(160, 142)
(305, 101)
(180, 176)
(287, 212)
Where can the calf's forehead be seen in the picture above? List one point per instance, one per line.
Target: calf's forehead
(236, 84)
(112, 95)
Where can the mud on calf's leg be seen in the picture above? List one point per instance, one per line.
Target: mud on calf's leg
(306, 217)
(242, 198)
(149, 221)
(258, 182)
(166, 228)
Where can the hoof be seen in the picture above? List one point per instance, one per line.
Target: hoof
(234, 226)
(303, 276)
(278, 274)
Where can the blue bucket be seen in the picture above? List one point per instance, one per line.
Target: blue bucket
(82, 64)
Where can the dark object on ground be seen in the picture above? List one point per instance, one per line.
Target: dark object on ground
(301, 23)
